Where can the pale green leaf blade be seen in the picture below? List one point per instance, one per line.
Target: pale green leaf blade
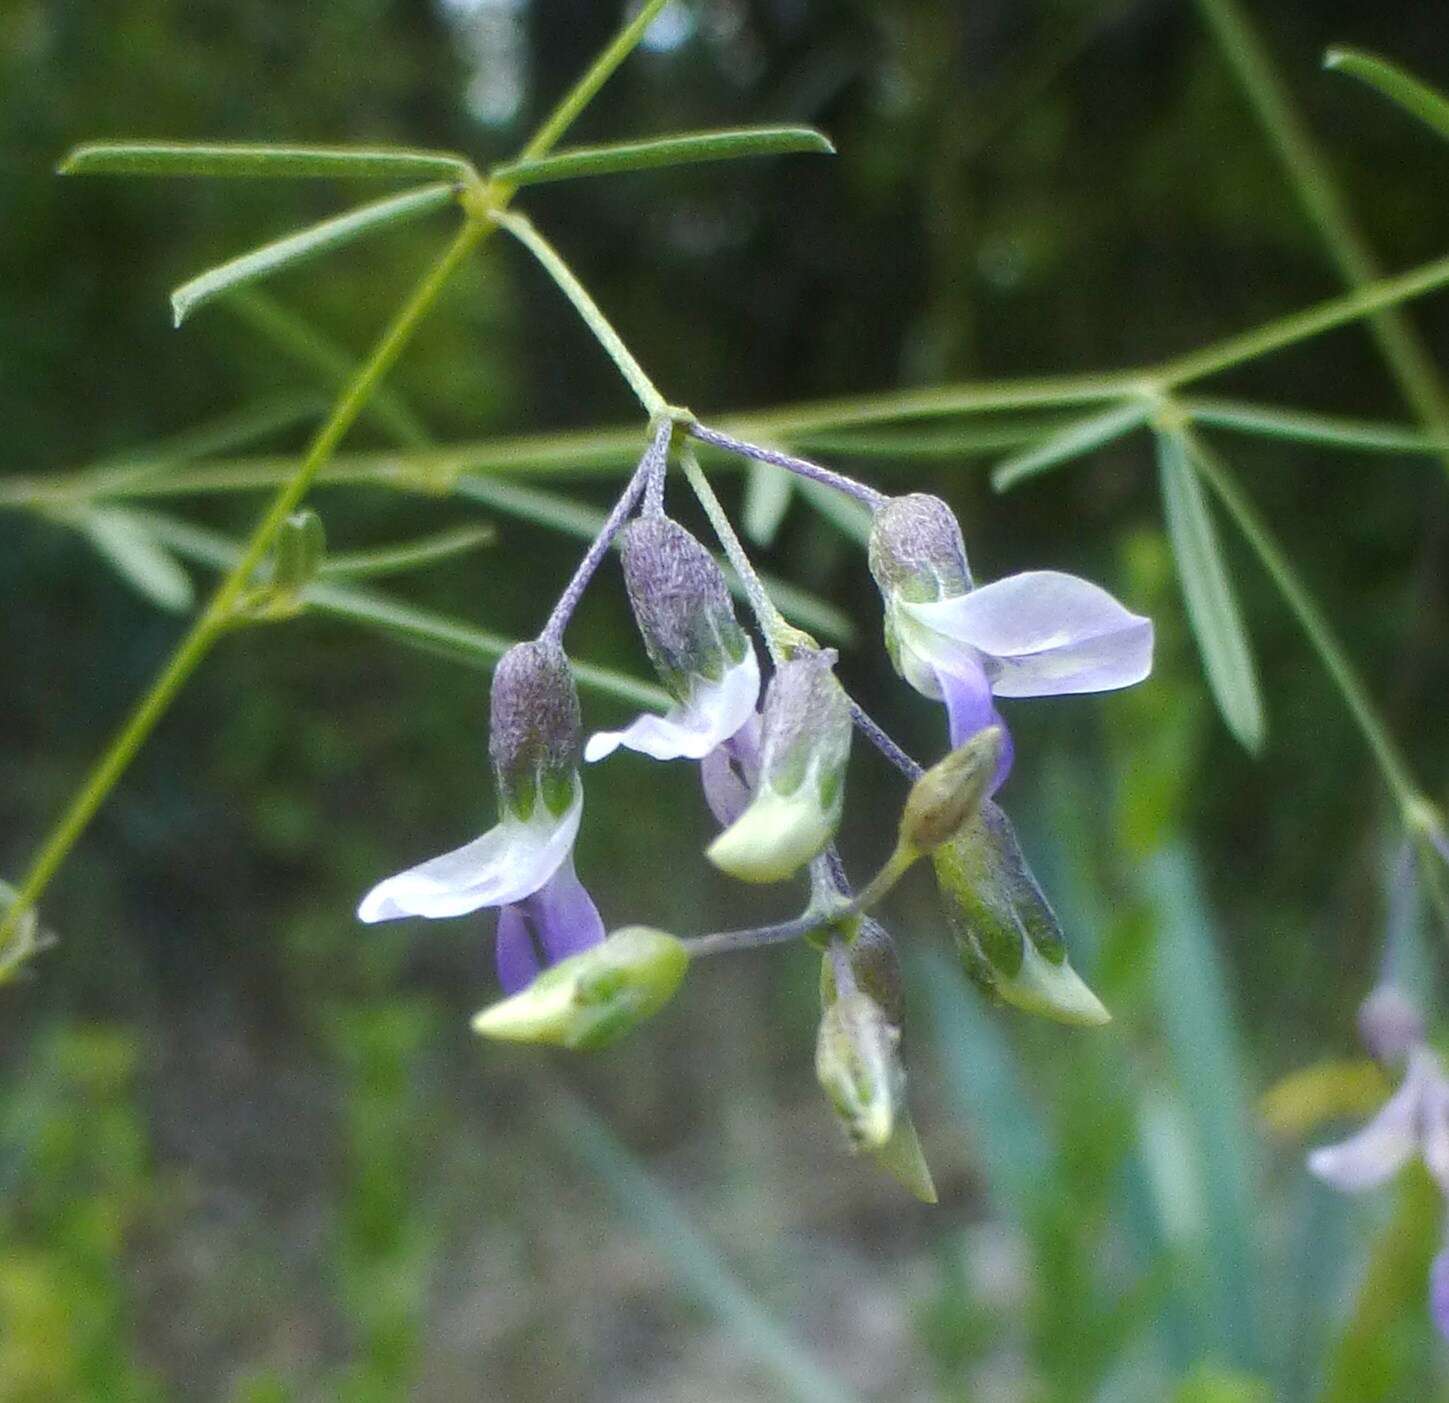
(1301, 426)
(1412, 94)
(1212, 607)
(683, 148)
(228, 158)
(1077, 438)
(406, 555)
(768, 492)
(148, 568)
(312, 242)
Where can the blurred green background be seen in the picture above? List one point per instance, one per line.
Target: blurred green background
(250, 1150)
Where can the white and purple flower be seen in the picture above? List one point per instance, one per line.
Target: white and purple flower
(702, 655)
(1037, 634)
(524, 865)
(1414, 1121)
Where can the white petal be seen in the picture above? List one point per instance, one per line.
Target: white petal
(689, 730)
(1044, 632)
(506, 864)
(1383, 1147)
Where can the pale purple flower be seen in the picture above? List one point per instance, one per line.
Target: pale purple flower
(524, 864)
(1414, 1121)
(704, 657)
(1037, 634)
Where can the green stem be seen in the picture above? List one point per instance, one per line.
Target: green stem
(215, 618)
(779, 635)
(1395, 769)
(1403, 349)
(644, 389)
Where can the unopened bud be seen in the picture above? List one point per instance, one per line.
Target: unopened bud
(681, 604)
(857, 1064)
(1390, 1024)
(1007, 936)
(590, 999)
(535, 729)
(950, 794)
(804, 747)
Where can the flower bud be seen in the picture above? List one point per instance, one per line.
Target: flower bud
(1390, 1024)
(681, 604)
(857, 1064)
(875, 965)
(535, 729)
(804, 746)
(590, 999)
(949, 795)
(1008, 937)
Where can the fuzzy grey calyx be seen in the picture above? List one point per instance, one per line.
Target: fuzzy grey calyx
(536, 728)
(917, 551)
(806, 728)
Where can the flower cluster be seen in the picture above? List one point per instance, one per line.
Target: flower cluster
(773, 753)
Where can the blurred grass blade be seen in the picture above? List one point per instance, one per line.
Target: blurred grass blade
(1335, 431)
(768, 491)
(956, 441)
(850, 517)
(981, 1073)
(1416, 97)
(806, 610)
(686, 148)
(259, 159)
(419, 628)
(1212, 1084)
(153, 572)
(311, 242)
(410, 555)
(750, 1325)
(1212, 607)
(1077, 438)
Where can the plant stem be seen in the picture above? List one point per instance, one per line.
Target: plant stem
(215, 618)
(649, 466)
(802, 467)
(523, 230)
(779, 635)
(882, 742)
(1397, 775)
(728, 941)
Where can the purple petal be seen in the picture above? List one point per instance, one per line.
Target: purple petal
(1044, 634)
(1383, 1147)
(563, 915)
(728, 773)
(514, 951)
(505, 865)
(967, 695)
(1439, 1292)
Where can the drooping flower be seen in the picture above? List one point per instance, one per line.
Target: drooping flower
(524, 865)
(702, 655)
(1037, 634)
(799, 790)
(1413, 1121)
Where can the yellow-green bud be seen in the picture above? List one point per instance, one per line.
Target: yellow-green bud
(857, 1064)
(589, 999)
(948, 796)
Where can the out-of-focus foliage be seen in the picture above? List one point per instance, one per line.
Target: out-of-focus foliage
(249, 1150)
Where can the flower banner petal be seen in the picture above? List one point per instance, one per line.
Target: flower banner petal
(1044, 633)
(1382, 1148)
(508, 863)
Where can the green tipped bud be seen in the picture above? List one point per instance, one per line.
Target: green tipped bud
(950, 794)
(804, 747)
(535, 729)
(857, 1064)
(592, 998)
(1009, 939)
(902, 1157)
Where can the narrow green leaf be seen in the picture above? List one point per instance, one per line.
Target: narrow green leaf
(259, 159)
(409, 555)
(768, 492)
(685, 148)
(151, 571)
(1415, 96)
(852, 518)
(307, 243)
(1077, 438)
(1212, 608)
(299, 550)
(1335, 431)
(956, 441)
(418, 628)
